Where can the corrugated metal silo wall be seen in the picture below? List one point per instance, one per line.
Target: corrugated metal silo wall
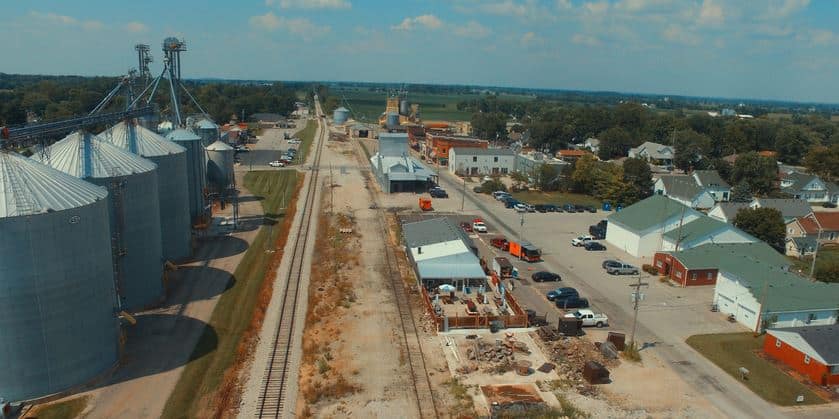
(208, 136)
(174, 205)
(220, 168)
(57, 310)
(404, 107)
(196, 175)
(141, 281)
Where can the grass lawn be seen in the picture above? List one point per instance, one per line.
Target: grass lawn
(557, 198)
(730, 351)
(306, 136)
(828, 255)
(67, 409)
(234, 311)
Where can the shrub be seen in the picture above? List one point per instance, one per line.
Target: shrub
(650, 269)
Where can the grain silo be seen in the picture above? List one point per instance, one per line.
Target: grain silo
(171, 182)
(58, 319)
(134, 210)
(196, 169)
(207, 130)
(220, 165)
(340, 115)
(404, 107)
(392, 120)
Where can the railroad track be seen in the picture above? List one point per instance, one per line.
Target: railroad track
(426, 405)
(273, 397)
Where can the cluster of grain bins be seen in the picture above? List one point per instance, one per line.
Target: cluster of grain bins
(87, 225)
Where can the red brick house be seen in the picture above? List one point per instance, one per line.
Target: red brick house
(810, 350)
(685, 271)
(700, 265)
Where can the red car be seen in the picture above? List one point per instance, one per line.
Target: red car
(467, 227)
(500, 243)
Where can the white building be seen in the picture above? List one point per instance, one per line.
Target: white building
(639, 229)
(726, 211)
(685, 190)
(654, 153)
(527, 163)
(711, 181)
(476, 161)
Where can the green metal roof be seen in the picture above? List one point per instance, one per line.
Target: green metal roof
(697, 228)
(649, 213)
(730, 256)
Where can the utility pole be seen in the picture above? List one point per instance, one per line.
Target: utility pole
(463, 194)
(521, 225)
(816, 249)
(636, 297)
(331, 192)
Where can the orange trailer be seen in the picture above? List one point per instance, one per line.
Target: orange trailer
(425, 204)
(525, 251)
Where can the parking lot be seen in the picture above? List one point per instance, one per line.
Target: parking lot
(268, 147)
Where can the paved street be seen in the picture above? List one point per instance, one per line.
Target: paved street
(668, 315)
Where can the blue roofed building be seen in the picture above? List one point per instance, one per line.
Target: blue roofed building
(441, 253)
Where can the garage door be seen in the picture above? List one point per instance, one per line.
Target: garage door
(745, 315)
(726, 304)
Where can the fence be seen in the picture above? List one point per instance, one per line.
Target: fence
(518, 319)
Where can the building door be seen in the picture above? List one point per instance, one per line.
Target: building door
(473, 171)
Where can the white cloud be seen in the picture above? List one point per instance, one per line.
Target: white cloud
(525, 10)
(678, 34)
(639, 5)
(302, 27)
(530, 38)
(136, 27)
(411, 23)
(472, 29)
(587, 40)
(89, 25)
(821, 37)
(310, 4)
(564, 5)
(596, 8)
(711, 13)
(779, 9)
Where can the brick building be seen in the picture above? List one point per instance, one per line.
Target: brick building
(437, 146)
(812, 351)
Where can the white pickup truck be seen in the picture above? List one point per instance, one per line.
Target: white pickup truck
(589, 318)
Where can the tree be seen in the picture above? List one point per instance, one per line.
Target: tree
(519, 179)
(766, 224)
(492, 185)
(490, 125)
(823, 161)
(614, 142)
(828, 272)
(691, 149)
(792, 143)
(741, 192)
(582, 179)
(722, 167)
(546, 177)
(758, 171)
(638, 178)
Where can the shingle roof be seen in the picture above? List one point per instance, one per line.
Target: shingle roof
(683, 187)
(824, 340)
(655, 150)
(475, 151)
(727, 255)
(649, 213)
(804, 244)
(828, 220)
(700, 227)
(790, 208)
(708, 178)
(799, 180)
(729, 209)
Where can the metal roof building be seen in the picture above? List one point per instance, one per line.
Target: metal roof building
(134, 210)
(394, 167)
(442, 254)
(171, 182)
(57, 310)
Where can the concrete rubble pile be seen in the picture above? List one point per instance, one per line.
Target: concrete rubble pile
(498, 356)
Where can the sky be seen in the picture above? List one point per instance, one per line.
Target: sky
(765, 49)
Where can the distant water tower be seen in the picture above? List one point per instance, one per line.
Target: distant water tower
(340, 115)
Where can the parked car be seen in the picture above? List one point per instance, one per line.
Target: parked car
(579, 208)
(541, 208)
(500, 194)
(580, 241)
(477, 189)
(590, 208)
(550, 207)
(530, 208)
(561, 292)
(438, 192)
(276, 163)
(611, 263)
(829, 205)
(545, 276)
(520, 207)
(479, 226)
(623, 269)
(500, 243)
(594, 246)
(589, 317)
(572, 302)
(511, 203)
(569, 208)
(467, 227)
(241, 148)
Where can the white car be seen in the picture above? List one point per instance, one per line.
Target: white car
(520, 208)
(479, 227)
(581, 240)
(294, 141)
(276, 163)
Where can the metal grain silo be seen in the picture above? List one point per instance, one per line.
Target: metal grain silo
(404, 107)
(134, 210)
(172, 184)
(196, 169)
(340, 115)
(392, 120)
(220, 165)
(207, 130)
(58, 324)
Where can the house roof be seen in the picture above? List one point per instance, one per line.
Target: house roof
(828, 220)
(592, 142)
(474, 151)
(655, 150)
(804, 244)
(818, 342)
(648, 213)
(683, 187)
(459, 265)
(799, 180)
(572, 153)
(729, 209)
(790, 208)
(722, 256)
(710, 178)
(782, 291)
(430, 231)
(698, 228)
(445, 249)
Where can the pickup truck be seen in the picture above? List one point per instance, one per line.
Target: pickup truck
(623, 269)
(590, 318)
(581, 241)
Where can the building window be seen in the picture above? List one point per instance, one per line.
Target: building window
(709, 276)
(474, 159)
(495, 159)
(658, 264)
(811, 317)
(777, 343)
(807, 359)
(504, 170)
(834, 370)
(678, 274)
(693, 276)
